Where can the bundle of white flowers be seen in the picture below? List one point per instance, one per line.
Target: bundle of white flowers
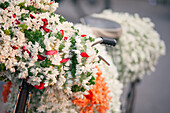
(138, 48)
(45, 50)
(50, 54)
(52, 99)
(110, 73)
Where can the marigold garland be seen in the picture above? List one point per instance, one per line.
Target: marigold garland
(97, 99)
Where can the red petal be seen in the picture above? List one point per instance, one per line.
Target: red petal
(45, 22)
(51, 2)
(32, 16)
(17, 22)
(84, 54)
(83, 35)
(46, 30)
(65, 38)
(40, 57)
(41, 86)
(64, 60)
(13, 15)
(33, 3)
(62, 31)
(23, 49)
(14, 47)
(28, 52)
(51, 52)
(4, 8)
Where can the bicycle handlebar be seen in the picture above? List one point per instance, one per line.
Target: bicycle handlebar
(109, 41)
(104, 40)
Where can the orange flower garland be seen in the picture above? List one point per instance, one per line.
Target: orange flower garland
(6, 91)
(97, 98)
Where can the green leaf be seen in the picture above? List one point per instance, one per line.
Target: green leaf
(18, 58)
(83, 89)
(75, 88)
(2, 67)
(22, 5)
(7, 32)
(61, 46)
(52, 14)
(92, 80)
(30, 73)
(23, 26)
(4, 5)
(59, 35)
(91, 39)
(62, 19)
(24, 16)
(35, 36)
(73, 67)
(45, 63)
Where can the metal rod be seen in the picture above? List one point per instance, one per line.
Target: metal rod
(29, 98)
(22, 99)
(17, 99)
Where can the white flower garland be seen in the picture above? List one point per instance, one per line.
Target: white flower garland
(40, 46)
(109, 72)
(47, 51)
(138, 48)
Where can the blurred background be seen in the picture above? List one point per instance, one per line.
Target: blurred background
(153, 93)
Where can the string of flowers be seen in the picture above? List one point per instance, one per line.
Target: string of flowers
(47, 51)
(43, 48)
(138, 48)
(52, 99)
(110, 73)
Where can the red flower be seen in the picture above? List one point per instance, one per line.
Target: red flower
(14, 47)
(62, 31)
(40, 57)
(28, 52)
(65, 38)
(45, 22)
(33, 17)
(23, 50)
(41, 86)
(84, 54)
(13, 15)
(46, 30)
(17, 22)
(4, 8)
(83, 35)
(51, 52)
(51, 2)
(64, 60)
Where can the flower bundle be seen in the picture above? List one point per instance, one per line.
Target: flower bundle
(43, 48)
(139, 47)
(109, 73)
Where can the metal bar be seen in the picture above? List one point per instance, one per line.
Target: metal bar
(23, 95)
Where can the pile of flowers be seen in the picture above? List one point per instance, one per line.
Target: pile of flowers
(40, 46)
(138, 48)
